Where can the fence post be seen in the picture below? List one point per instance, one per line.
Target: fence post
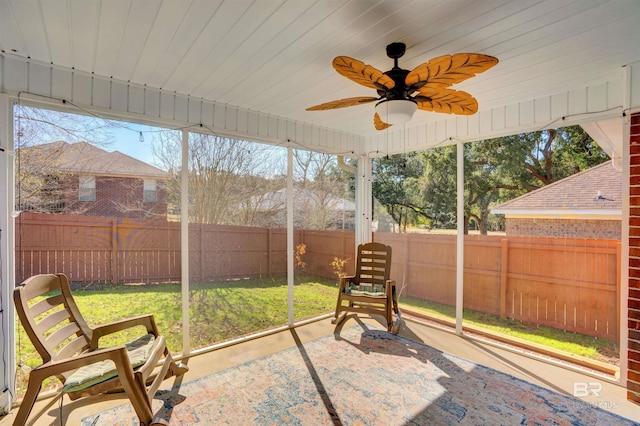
(114, 252)
(269, 249)
(618, 288)
(405, 267)
(201, 276)
(504, 276)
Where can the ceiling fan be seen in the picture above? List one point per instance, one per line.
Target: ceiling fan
(402, 92)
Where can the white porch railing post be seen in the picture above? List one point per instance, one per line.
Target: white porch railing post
(460, 239)
(290, 242)
(7, 253)
(184, 242)
(364, 209)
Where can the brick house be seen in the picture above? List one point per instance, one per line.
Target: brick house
(80, 178)
(585, 205)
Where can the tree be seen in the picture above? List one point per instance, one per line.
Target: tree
(496, 170)
(39, 182)
(393, 187)
(226, 176)
(320, 189)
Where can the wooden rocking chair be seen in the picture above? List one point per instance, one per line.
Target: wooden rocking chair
(70, 351)
(369, 291)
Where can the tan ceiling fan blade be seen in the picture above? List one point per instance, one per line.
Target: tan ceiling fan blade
(447, 101)
(362, 73)
(378, 123)
(443, 71)
(342, 103)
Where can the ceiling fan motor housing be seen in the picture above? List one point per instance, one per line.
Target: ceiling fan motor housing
(400, 89)
(396, 50)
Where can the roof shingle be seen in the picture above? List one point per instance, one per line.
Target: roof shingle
(598, 188)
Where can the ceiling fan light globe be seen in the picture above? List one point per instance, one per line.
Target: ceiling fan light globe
(397, 111)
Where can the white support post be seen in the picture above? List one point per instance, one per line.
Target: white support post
(623, 329)
(364, 202)
(7, 255)
(290, 242)
(460, 239)
(184, 242)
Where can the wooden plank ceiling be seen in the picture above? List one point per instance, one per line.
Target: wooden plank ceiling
(274, 56)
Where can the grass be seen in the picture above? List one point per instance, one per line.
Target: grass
(579, 344)
(218, 312)
(225, 310)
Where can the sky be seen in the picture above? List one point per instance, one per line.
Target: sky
(127, 141)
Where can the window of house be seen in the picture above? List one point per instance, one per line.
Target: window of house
(87, 188)
(150, 192)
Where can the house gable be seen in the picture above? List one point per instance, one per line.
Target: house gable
(117, 182)
(585, 205)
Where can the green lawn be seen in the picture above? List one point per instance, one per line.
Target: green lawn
(219, 311)
(225, 310)
(578, 344)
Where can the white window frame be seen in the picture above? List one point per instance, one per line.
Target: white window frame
(150, 191)
(86, 188)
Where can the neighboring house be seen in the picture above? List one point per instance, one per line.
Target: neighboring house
(80, 178)
(313, 209)
(585, 205)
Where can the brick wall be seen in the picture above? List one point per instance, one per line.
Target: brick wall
(633, 323)
(564, 228)
(115, 197)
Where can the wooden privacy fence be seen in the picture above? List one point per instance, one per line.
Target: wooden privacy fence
(111, 250)
(97, 249)
(570, 284)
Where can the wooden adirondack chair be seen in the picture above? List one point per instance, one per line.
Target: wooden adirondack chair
(369, 291)
(70, 350)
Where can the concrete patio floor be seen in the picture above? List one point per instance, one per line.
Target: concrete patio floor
(556, 377)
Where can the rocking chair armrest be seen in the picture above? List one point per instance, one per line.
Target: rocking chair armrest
(345, 280)
(117, 354)
(389, 286)
(105, 329)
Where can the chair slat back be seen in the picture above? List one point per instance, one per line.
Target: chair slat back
(54, 324)
(374, 264)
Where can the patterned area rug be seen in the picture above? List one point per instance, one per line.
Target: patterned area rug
(363, 377)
